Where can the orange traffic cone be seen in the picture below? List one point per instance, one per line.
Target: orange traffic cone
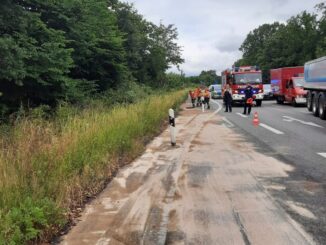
(255, 121)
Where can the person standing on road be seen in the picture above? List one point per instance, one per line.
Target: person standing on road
(193, 98)
(207, 96)
(197, 94)
(248, 100)
(227, 99)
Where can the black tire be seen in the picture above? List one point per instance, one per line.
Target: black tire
(258, 103)
(279, 100)
(309, 101)
(315, 105)
(322, 106)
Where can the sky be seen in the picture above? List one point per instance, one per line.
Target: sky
(211, 31)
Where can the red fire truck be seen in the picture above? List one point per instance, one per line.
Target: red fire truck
(238, 78)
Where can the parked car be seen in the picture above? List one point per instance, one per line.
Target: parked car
(216, 91)
(268, 93)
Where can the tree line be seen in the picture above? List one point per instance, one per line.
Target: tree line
(206, 77)
(300, 39)
(66, 50)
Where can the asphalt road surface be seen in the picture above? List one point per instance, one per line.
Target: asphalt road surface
(226, 182)
(296, 137)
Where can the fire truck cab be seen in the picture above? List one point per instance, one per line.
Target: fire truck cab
(239, 77)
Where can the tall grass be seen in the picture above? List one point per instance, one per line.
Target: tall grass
(48, 168)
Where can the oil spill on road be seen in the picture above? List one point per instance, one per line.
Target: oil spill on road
(205, 191)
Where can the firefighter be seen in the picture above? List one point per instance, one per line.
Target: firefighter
(201, 96)
(207, 96)
(197, 94)
(248, 100)
(228, 99)
(193, 97)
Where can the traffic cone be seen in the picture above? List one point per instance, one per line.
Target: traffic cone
(255, 121)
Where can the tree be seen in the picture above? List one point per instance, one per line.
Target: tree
(35, 59)
(278, 45)
(209, 77)
(254, 44)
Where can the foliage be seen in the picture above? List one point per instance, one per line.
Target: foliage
(67, 50)
(49, 167)
(26, 221)
(276, 45)
(205, 77)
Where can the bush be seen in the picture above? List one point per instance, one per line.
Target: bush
(28, 220)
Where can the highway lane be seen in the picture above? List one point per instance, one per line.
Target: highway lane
(301, 137)
(296, 137)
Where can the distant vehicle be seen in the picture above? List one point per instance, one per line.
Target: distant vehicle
(268, 94)
(315, 83)
(287, 85)
(238, 78)
(216, 91)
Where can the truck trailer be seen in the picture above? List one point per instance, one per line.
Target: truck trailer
(315, 83)
(238, 78)
(287, 85)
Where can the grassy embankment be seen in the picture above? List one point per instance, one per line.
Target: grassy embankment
(48, 168)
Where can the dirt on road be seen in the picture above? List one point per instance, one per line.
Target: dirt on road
(212, 188)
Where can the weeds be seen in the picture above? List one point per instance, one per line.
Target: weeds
(48, 168)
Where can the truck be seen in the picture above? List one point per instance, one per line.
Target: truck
(315, 84)
(287, 85)
(238, 78)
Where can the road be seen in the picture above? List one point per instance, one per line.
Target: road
(226, 182)
(296, 137)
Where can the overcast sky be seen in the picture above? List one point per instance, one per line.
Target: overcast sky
(211, 31)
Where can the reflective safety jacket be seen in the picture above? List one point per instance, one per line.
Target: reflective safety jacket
(207, 94)
(192, 94)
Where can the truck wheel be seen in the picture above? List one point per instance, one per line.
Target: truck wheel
(315, 105)
(258, 103)
(309, 101)
(279, 100)
(322, 106)
(293, 103)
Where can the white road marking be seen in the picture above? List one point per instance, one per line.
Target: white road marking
(275, 131)
(218, 109)
(241, 115)
(291, 119)
(228, 123)
(323, 154)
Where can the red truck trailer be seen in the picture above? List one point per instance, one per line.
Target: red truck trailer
(287, 85)
(238, 78)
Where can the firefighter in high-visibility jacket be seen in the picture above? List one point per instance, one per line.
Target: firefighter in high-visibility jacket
(193, 97)
(207, 96)
(198, 95)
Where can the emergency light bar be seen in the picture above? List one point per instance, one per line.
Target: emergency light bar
(245, 68)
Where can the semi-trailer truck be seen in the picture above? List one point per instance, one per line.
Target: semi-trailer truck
(315, 83)
(287, 85)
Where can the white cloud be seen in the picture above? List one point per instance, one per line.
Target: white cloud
(211, 31)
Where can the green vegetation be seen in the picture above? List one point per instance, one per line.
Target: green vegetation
(68, 50)
(78, 98)
(301, 39)
(205, 77)
(50, 167)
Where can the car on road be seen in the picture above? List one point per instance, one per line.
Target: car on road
(216, 91)
(268, 93)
